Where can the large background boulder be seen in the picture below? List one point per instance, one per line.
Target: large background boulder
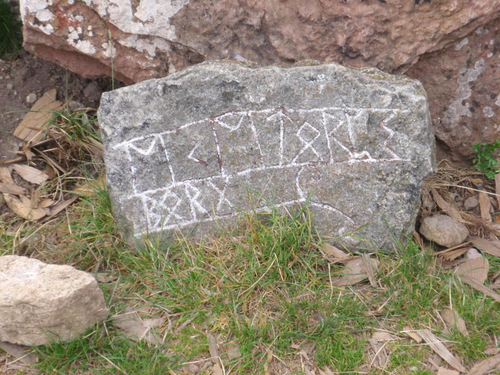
(451, 46)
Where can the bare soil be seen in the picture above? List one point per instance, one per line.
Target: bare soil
(24, 79)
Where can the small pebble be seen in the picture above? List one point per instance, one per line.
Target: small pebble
(473, 254)
(10, 86)
(471, 203)
(31, 98)
(74, 105)
(443, 230)
(93, 91)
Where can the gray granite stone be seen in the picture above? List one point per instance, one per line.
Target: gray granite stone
(195, 148)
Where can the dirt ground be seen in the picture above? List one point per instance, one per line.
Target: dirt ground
(24, 79)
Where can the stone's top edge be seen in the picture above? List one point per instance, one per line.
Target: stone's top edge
(235, 66)
(215, 88)
(33, 269)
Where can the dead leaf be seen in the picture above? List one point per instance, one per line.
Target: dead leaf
(61, 206)
(91, 187)
(452, 253)
(22, 207)
(492, 227)
(497, 188)
(481, 288)
(418, 240)
(492, 351)
(445, 371)
(356, 271)
(12, 189)
(27, 152)
(93, 146)
(495, 281)
(212, 347)
(452, 319)
(489, 247)
(485, 206)
(413, 334)
(5, 176)
(217, 370)
(447, 207)
(436, 345)
(378, 342)
(233, 351)
(476, 181)
(22, 353)
(383, 336)
(30, 174)
(485, 366)
(370, 268)
(32, 127)
(335, 253)
(46, 203)
(269, 360)
(105, 277)
(475, 268)
(137, 329)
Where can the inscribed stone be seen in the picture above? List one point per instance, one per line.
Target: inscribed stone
(195, 148)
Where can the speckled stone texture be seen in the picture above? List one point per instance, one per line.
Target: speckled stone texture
(195, 148)
(45, 303)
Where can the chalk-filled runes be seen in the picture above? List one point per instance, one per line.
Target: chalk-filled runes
(194, 149)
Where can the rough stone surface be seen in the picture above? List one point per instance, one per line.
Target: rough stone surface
(443, 230)
(42, 303)
(463, 83)
(220, 137)
(159, 38)
(443, 43)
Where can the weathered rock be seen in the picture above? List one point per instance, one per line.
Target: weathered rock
(42, 303)
(151, 39)
(443, 230)
(462, 82)
(201, 145)
(443, 43)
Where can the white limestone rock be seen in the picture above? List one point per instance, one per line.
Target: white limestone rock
(43, 303)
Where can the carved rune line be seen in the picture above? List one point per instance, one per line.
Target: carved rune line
(230, 148)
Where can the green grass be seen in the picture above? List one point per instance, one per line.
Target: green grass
(263, 290)
(96, 351)
(10, 31)
(266, 289)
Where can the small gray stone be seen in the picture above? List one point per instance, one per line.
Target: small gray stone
(191, 150)
(31, 98)
(443, 230)
(42, 303)
(74, 105)
(471, 203)
(92, 91)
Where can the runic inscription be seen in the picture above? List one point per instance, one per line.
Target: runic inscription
(191, 151)
(235, 147)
